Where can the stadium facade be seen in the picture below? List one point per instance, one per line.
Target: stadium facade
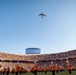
(33, 51)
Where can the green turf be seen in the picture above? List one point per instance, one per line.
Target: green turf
(49, 73)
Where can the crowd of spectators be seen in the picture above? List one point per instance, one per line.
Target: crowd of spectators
(58, 58)
(68, 54)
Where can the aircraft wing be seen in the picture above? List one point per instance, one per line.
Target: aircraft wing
(44, 15)
(39, 14)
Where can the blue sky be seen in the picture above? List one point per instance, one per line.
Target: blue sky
(21, 27)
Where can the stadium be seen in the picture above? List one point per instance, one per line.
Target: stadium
(49, 25)
(12, 64)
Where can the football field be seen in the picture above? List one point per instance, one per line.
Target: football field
(49, 73)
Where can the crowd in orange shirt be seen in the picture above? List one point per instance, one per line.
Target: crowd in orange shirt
(43, 66)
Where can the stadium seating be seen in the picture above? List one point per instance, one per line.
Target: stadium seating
(58, 58)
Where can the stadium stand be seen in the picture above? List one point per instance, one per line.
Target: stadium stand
(24, 63)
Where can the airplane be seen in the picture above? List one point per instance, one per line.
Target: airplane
(42, 15)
